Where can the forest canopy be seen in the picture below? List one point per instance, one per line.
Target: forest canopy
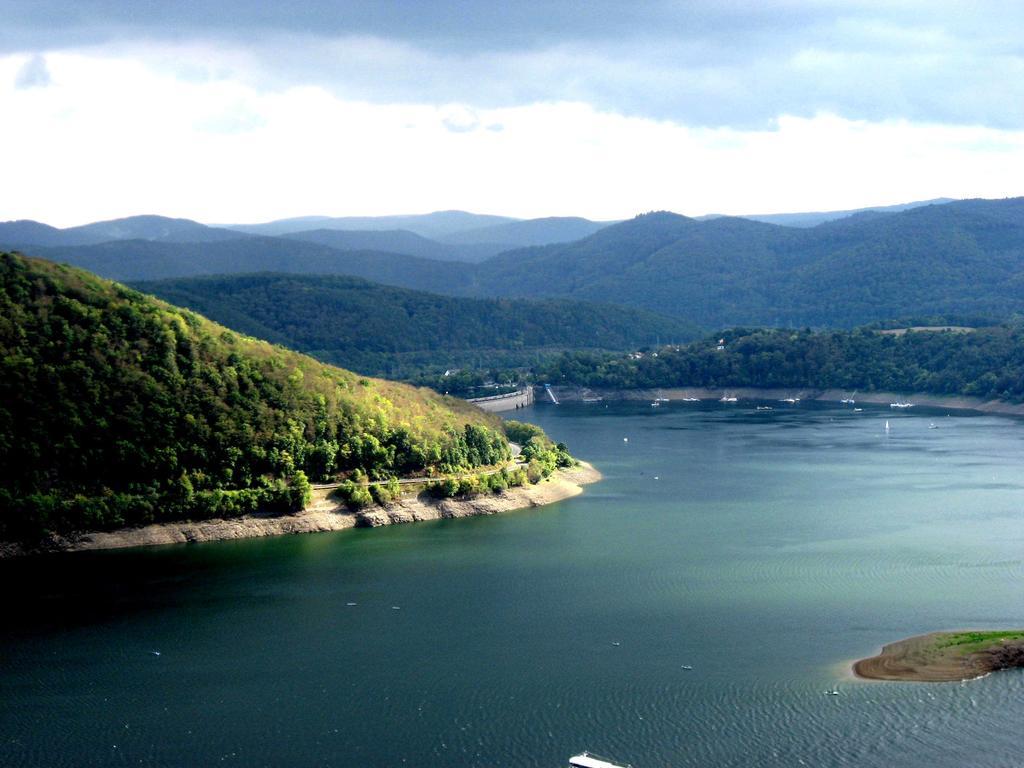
(119, 409)
(982, 362)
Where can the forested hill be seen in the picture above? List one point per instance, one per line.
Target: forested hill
(384, 330)
(959, 258)
(985, 362)
(119, 409)
(129, 260)
(964, 257)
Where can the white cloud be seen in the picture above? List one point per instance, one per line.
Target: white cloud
(111, 137)
(33, 73)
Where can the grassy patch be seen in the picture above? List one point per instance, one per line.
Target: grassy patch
(969, 642)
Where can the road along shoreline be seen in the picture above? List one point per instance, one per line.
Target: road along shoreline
(325, 513)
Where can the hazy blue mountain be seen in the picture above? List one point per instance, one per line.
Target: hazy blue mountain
(157, 228)
(813, 218)
(433, 225)
(28, 232)
(959, 258)
(378, 329)
(396, 241)
(147, 260)
(514, 234)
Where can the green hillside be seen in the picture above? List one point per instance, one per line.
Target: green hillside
(118, 409)
(964, 257)
(984, 362)
(383, 330)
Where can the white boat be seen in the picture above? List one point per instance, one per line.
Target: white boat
(727, 399)
(765, 408)
(655, 404)
(886, 425)
(587, 760)
(691, 399)
(933, 425)
(791, 400)
(901, 404)
(857, 410)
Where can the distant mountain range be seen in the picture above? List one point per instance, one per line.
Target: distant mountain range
(128, 260)
(25, 233)
(446, 235)
(814, 218)
(434, 225)
(958, 258)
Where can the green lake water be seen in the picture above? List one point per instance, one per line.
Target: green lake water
(766, 550)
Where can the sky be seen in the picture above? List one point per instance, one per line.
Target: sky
(231, 112)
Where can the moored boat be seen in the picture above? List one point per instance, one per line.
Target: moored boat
(587, 760)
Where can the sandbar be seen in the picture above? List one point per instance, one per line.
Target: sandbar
(945, 656)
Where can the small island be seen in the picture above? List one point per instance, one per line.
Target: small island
(945, 656)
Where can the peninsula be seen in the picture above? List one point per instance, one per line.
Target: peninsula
(945, 656)
(128, 421)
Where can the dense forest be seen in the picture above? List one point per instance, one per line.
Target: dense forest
(394, 332)
(964, 257)
(986, 362)
(119, 409)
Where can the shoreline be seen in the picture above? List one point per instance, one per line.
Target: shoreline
(323, 514)
(941, 657)
(956, 402)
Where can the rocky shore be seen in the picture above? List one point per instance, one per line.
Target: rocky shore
(326, 514)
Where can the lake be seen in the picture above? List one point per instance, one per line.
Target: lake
(764, 549)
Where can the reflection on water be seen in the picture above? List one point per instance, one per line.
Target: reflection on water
(691, 609)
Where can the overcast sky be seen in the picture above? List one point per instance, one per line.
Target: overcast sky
(230, 111)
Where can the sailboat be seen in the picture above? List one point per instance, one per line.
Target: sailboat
(886, 425)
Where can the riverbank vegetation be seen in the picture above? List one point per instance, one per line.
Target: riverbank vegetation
(539, 458)
(983, 362)
(117, 409)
